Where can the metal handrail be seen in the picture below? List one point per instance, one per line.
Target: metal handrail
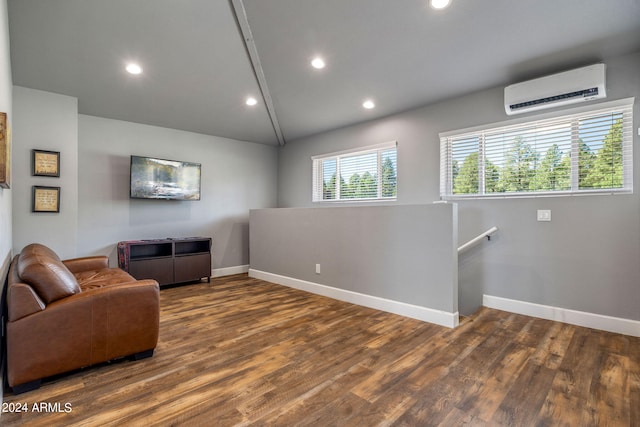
(477, 239)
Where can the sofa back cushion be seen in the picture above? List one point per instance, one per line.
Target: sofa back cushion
(41, 268)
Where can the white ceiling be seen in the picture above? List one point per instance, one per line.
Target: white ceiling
(401, 53)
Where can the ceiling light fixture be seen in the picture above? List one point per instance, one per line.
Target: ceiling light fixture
(368, 104)
(318, 63)
(134, 68)
(439, 4)
(251, 101)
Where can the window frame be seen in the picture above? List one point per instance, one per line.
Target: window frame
(625, 105)
(317, 195)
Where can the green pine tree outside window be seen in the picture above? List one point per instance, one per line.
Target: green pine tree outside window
(367, 175)
(537, 158)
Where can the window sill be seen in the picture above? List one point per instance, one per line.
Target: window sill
(357, 201)
(610, 192)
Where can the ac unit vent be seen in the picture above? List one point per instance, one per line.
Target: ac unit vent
(578, 94)
(578, 85)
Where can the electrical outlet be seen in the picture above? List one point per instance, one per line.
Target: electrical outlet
(317, 268)
(544, 215)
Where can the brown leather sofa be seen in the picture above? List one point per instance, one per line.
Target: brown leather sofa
(65, 315)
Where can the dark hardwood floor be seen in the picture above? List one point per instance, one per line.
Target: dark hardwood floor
(241, 351)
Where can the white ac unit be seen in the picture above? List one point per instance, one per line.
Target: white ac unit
(569, 87)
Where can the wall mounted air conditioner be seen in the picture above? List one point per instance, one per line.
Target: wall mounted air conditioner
(581, 84)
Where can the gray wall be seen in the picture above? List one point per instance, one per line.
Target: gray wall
(5, 194)
(46, 121)
(95, 210)
(400, 253)
(586, 259)
(5, 107)
(236, 176)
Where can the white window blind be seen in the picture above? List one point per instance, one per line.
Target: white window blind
(583, 152)
(363, 174)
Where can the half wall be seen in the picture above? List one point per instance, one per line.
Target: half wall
(401, 259)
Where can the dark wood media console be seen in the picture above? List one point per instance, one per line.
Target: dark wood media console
(168, 261)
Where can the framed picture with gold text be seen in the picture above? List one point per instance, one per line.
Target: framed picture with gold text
(45, 163)
(45, 199)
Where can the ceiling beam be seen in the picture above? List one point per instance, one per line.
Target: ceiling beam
(243, 23)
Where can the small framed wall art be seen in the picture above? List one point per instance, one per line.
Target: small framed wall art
(5, 152)
(45, 199)
(45, 163)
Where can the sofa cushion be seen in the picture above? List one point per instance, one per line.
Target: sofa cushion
(39, 249)
(92, 279)
(40, 267)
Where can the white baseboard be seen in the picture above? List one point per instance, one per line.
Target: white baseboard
(425, 314)
(565, 315)
(228, 271)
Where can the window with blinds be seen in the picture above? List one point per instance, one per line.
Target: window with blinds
(582, 152)
(365, 174)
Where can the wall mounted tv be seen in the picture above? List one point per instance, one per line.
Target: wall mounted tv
(164, 179)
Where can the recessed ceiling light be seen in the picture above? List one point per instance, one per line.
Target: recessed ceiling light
(251, 101)
(318, 63)
(134, 68)
(368, 104)
(440, 4)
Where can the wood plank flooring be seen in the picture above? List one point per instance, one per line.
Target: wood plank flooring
(241, 351)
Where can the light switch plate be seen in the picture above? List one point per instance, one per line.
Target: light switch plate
(544, 215)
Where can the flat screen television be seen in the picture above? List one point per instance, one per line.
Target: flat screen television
(152, 178)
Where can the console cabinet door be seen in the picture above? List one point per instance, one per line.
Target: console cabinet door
(160, 269)
(192, 267)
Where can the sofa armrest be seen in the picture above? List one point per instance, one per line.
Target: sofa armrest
(22, 301)
(126, 319)
(54, 340)
(77, 265)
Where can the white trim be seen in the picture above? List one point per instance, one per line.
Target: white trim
(317, 182)
(580, 318)
(537, 194)
(556, 114)
(425, 314)
(359, 150)
(228, 271)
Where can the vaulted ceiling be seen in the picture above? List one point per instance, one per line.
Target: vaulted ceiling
(201, 59)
